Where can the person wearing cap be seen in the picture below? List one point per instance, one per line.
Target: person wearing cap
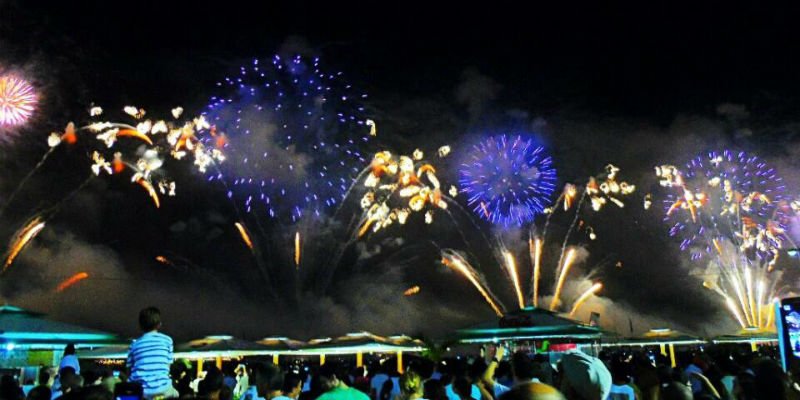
(584, 377)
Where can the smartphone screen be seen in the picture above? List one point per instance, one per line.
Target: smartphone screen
(129, 397)
(788, 326)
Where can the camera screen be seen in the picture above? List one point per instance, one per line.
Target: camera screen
(789, 331)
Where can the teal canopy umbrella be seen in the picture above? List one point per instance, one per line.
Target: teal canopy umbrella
(21, 328)
(529, 323)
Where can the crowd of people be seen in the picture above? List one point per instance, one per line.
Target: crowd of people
(621, 374)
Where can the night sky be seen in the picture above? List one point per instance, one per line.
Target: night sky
(631, 83)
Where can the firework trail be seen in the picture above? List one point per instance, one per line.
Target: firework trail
(21, 239)
(535, 250)
(17, 101)
(599, 190)
(453, 260)
(67, 283)
(411, 291)
(245, 236)
(297, 249)
(511, 266)
(583, 297)
(562, 277)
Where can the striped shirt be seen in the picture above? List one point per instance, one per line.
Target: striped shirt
(149, 359)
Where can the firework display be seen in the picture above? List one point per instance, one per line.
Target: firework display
(17, 101)
(298, 200)
(293, 136)
(725, 195)
(728, 209)
(508, 180)
(160, 137)
(599, 190)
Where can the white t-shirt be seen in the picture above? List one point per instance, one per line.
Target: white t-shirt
(621, 392)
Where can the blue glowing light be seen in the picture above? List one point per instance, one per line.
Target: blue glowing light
(709, 174)
(293, 136)
(508, 180)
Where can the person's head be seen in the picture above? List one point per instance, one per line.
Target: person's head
(584, 377)
(211, 385)
(66, 371)
(745, 386)
(770, 380)
(476, 370)
(44, 377)
(40, 393)
(149, 319)
(96, 393)
(411, 385)
(328, 379)
(522, 367)
(267, 378)
(533, 391)
(462, 387)
(676, 391)
(292, 385)
(620, 372)
(434, 390)
(8, 381)
(70, 381)
(69, 350)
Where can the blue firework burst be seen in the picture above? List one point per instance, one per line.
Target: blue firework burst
(707, 174)
(508, 180)
(294, 133)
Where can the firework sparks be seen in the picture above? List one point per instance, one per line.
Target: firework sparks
(164, 260)
(725, 195)
(69, 282)
(535, 249)
(245, 236)
(583, 297)
(303, 162)
(608, 189)
(508, 180)
(297, 249)
(454, 261)
(17, 101)
(22, 238)
(151, 191)
(398, 187)
(724, 206)
(511, 266)
(565, 267)
(411, 291)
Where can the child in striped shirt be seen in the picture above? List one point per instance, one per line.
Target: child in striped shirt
(150, 357)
